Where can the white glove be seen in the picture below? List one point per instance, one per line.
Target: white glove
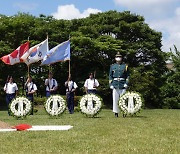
(125, 85)
(111, 87)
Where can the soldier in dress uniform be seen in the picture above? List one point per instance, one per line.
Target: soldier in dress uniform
(91, 84)
(51, 85)
(71, 87)
(118, 81)
(30, 88)
(11, 90)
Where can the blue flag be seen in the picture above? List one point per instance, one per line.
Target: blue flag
(60, 52)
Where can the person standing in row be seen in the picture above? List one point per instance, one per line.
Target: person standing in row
(51, 85)
(30, 88)
(91, 84)
(11, 90)
(118, 81)
(71, 87)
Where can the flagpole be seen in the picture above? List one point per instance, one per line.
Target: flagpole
(49, 68)
(69, 61)
(28, 65)
(49, 64)
(28, 70)
(47, 36)
(69, 67)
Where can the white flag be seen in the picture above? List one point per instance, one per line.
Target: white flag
(36, 53)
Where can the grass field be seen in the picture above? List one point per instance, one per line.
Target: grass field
(153, 131)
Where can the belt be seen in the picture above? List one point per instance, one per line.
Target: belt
(10, 93)
(119, 79)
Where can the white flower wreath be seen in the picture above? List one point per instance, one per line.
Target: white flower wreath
(55, 105)
(20, 106)
(130, 103)
(90, 104)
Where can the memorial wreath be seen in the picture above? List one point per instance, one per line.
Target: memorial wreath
(130, 103)
(90, 104)
(55, 105)
(20, 107)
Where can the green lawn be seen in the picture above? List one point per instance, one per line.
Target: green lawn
(153, 131)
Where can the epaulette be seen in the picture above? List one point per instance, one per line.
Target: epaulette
(113, 64)
(126, 67)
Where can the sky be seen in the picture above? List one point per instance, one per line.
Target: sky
(161, 15)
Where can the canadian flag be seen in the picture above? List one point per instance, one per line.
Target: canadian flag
(14, 57)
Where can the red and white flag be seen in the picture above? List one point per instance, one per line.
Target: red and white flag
(14, 57)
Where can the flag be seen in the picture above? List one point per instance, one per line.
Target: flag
(60, 52)
(14, 57)
(36, 53)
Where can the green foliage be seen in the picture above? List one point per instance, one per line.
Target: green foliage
(94, 42)
(144, 83)
(170, 91)
(39, 100)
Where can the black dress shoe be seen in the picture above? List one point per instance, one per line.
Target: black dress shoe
(124, 115)
(116, 114)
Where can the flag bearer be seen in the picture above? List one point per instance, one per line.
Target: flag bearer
(71, 87)
(11, 90)
(51, 85)
(118, 81)
(91, 84)
(31, 88)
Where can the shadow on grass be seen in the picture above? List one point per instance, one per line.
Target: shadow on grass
(97, 117)
(135, 117)
(3, 108)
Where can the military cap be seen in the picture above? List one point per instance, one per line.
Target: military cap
(118, 54)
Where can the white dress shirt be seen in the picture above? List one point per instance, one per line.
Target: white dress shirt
(70, 85)
(31, 87)
(10, 88)
(89, 84)
(51, 82)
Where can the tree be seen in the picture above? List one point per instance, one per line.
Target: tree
(170, 91)
(98, 38)
(94, 42)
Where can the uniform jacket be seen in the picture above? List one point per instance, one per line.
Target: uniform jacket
(118, 75)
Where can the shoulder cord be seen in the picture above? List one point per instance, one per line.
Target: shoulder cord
(31, 87)
(53, 84)
(72, 87)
